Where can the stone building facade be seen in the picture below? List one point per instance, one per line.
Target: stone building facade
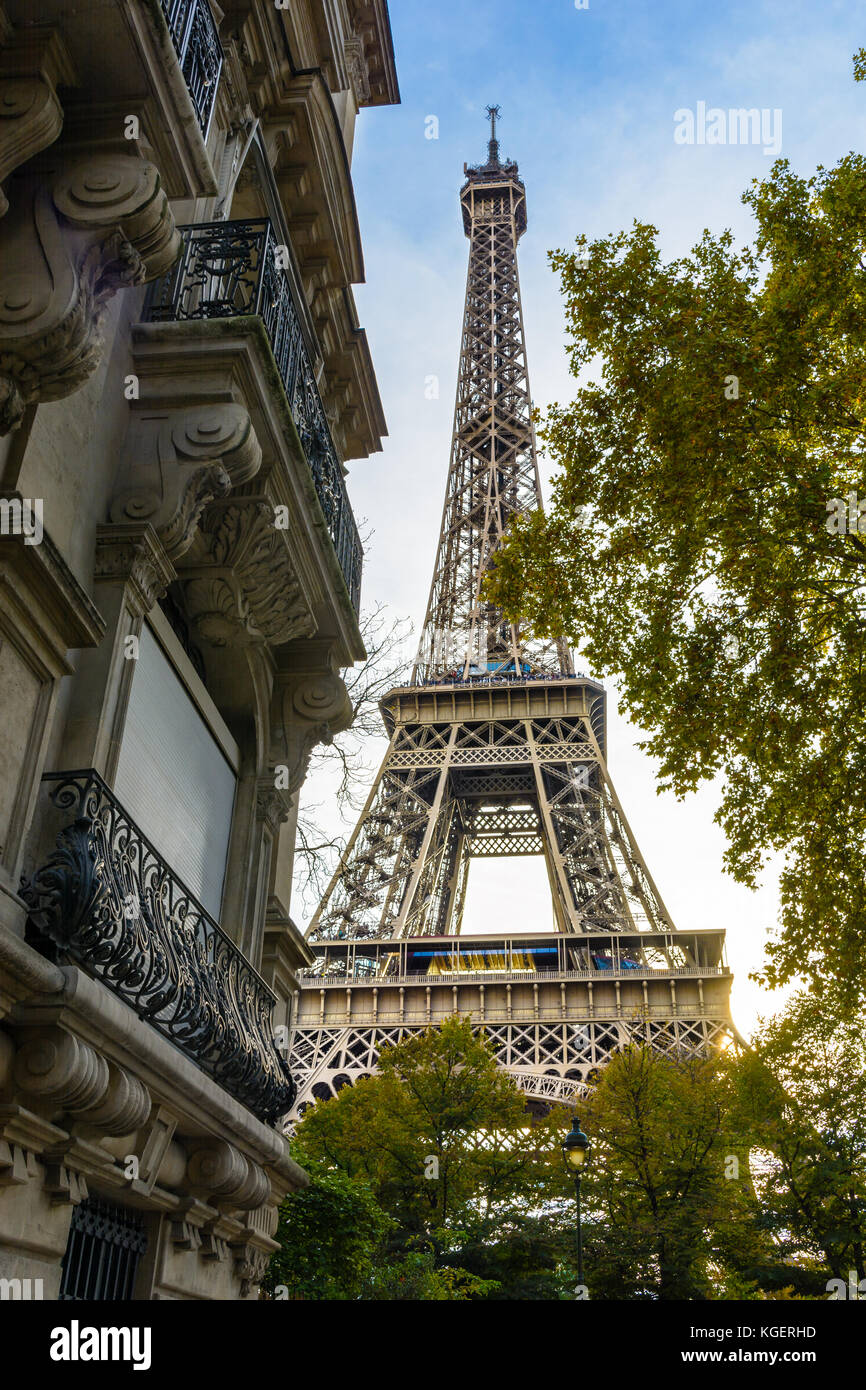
(182, 379)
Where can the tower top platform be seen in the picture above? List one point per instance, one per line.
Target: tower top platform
(493, 188)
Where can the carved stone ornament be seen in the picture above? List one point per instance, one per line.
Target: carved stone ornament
(240, 585)
(220, 1170)
(356, 66)
(176, 461)
(250, 1266)
(323, 697)
(130, 553)
(273, 803)
(67, 246)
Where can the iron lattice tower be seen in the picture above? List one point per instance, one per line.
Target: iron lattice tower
(496, 747)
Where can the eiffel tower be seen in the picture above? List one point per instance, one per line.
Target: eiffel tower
(496, 747)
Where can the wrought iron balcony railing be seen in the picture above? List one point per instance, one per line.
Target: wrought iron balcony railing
(228, 269)
(196, 41)
(108, 901)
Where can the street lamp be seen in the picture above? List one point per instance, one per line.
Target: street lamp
(575, 1151)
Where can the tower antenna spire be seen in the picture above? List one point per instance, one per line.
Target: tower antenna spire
(493, 144)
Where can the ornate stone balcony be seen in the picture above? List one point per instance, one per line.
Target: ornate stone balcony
(230, 270)
(106, 899)
(197, 44)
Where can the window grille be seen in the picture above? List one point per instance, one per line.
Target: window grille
(105, 1245)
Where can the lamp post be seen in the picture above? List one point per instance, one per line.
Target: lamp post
(575, 1151)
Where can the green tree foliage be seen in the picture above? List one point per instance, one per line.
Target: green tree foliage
(529, 1256)
(441, 1137)
(671, 1211)
(329, 1234)
(440, 1134)
(670, 1208)
(687, 547)
(802, 1097)
(416, 1277)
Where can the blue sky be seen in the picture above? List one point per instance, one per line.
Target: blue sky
(588, 100)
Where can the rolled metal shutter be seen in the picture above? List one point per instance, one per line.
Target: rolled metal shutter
(173, 778)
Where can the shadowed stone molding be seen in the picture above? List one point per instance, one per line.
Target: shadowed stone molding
(31, 117)
(17, 1165)
(176, 462)
(65, 1184)
(239, 580)
(67, 245)
(185, 1234)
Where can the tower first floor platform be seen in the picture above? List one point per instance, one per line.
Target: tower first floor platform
(554, 1006)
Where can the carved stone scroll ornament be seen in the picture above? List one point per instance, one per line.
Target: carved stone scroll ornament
(220, 1170)
(240, 584)
(323, 697)
(58, 1067)
(306, 713)
(177, 461)
(32, 65)
(66, 247)
(30, 119)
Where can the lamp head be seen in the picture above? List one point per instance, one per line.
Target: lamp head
(575, 1146)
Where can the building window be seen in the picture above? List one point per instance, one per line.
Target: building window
(105, 1245)
(173, 777)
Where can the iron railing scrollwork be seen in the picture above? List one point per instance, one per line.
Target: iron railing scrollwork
(229, 269)
(108, 900)
(199, 51)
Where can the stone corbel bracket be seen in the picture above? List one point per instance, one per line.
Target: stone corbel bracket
(32, 65)
(68, 243)
(55, 1068)
(307, 709)
(176, 461)
(222, 1175)
(130, 553)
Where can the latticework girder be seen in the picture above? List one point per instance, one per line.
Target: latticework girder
(552, 1062)
(401, 869)
(494, 468)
